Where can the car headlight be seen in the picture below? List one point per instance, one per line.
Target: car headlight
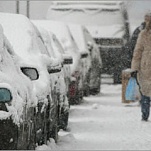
(5, 95)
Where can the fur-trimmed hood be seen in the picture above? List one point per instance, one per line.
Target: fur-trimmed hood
(142, 61)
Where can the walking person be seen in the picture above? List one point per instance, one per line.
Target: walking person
(141, 64)
(129, 47)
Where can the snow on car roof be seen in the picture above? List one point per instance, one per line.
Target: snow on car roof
(17, 27)
(24, 40)
(64, 36)
(90, 7)
(21, 34)
(48, 43)
(58, 28)
(86, 5)
(105, 23)
(88, 2)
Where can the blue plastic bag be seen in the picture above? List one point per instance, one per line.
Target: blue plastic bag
(132, 90)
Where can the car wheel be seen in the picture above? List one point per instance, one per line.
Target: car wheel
(75, 100)
(66, 117)
(64, 121)
(116, 78)
(94, 91)
(87, 91)
(32, 143)
(54, 133)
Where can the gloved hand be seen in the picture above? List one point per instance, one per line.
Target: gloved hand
(134, 74)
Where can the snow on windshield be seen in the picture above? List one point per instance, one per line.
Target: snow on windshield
(24, 40)
(86, 17)
(64, 36)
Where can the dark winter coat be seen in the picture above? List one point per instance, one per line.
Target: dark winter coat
(129, 48)
(134, 39)
(142, 61)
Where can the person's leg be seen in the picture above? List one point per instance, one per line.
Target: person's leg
(145, 107)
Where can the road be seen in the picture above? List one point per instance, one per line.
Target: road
(102, 122)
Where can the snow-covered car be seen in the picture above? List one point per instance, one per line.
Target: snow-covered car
(27, 45)
(62, 79)
(66, 40)
(93, 63)
(108, 23)
(17, 101)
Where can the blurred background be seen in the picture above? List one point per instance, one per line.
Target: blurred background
(38, 9)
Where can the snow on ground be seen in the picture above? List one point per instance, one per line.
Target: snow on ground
(102, 122)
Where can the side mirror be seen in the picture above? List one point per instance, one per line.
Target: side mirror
(84, 55)
(54, 69)
(32, 73)
(67, 61)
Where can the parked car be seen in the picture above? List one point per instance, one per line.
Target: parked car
(26, 43)
(17, 101)
(62, 78)
(93, 63)
(67, 42)
(108, 23)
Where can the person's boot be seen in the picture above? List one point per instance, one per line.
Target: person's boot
(143, 119)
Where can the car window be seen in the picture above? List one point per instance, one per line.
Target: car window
(42, 47)
(57, 43)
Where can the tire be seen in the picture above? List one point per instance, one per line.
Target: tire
(117, 78)
(87, 91)
(66, 117)
(54, 133)
(76, 100)
(94, 91)
(32, 143)
(64, 121)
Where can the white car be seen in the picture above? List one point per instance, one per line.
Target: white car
(108, 23)
(17, 101)
(62, 78)
(93, 63)
(67, 42)
(28, 46)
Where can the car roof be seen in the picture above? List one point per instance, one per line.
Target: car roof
(98, 22)
(22, 36)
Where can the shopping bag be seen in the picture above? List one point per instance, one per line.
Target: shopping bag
(132, 90)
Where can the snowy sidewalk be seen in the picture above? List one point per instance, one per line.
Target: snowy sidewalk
(103, 123)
